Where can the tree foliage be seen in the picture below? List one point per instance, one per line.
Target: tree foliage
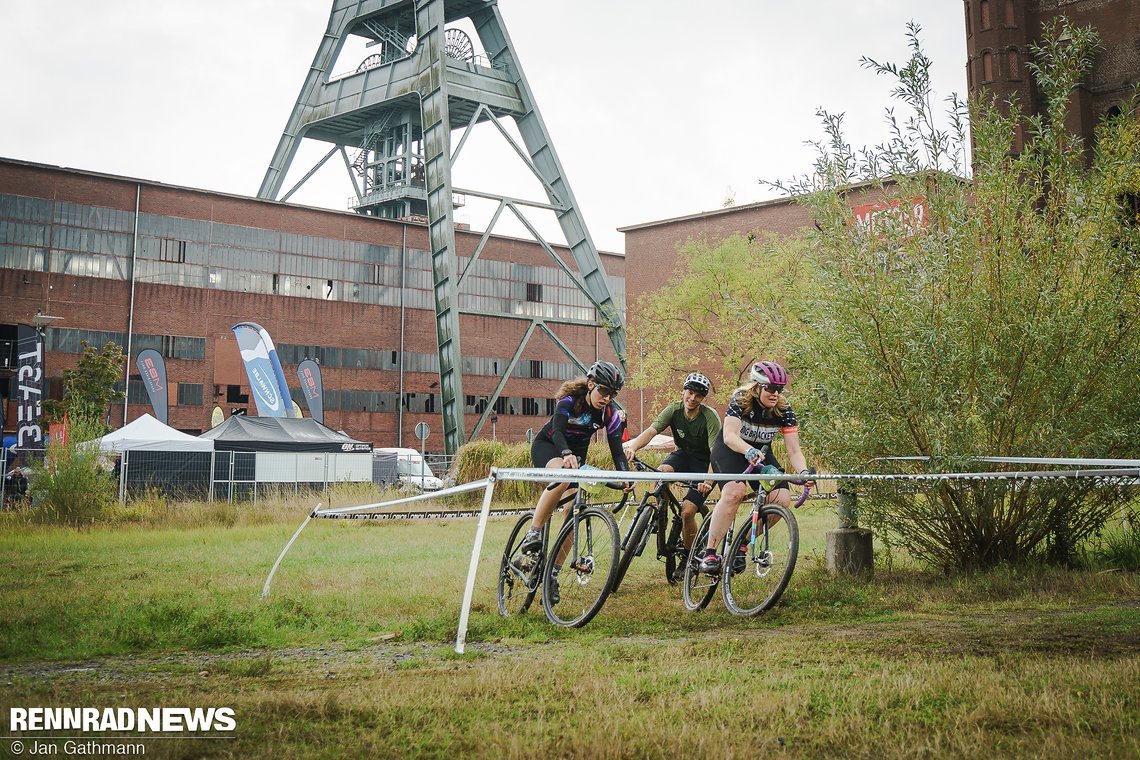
(89, 387)
(1003, 323)
(74, 484)
(727, 304)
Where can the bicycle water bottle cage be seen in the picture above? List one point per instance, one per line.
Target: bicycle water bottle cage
(592, 487)
(769, 469)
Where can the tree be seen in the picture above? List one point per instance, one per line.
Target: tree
(89, 387)
(1002, 323)
(728, 304)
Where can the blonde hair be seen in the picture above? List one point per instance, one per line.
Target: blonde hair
(751, 392)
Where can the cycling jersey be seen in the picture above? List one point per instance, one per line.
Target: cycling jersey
(759, 429)
(761, 425)
(695, 436)
(574, 423)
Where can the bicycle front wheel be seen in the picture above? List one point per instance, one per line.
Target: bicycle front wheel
(518, 574)
(634, 543)
(697, 589)
(755, 575)
(579, 573)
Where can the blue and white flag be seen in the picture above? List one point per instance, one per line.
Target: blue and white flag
(263, 368)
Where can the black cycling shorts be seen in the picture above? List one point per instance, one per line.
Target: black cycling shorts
(725, 460)
(683, 461)
(542, 451)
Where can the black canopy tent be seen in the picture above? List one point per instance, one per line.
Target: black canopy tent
(289, 434)
(286, 451)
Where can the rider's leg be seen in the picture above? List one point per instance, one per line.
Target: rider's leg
(781, 496)
(688, 522)
(549, 498)
(731, 494)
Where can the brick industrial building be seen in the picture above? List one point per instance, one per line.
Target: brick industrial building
(325, 284)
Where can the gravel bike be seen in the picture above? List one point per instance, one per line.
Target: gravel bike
(575, 571)
(653, 516)
(758, 560)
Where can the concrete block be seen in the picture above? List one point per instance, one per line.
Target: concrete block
(849, 552)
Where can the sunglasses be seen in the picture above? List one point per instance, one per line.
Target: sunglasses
(773, 388)
(605, 392)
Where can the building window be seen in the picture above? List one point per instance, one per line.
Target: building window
(534, 292)
(1014, 61)
(189, 394)
(530, 407)
(987, 67)
(235, 396)
(984, 7)
(1009, 20)
(969, 31)
(535, 368)
(172, 250)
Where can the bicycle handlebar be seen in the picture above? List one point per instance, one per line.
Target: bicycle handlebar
(804, 482)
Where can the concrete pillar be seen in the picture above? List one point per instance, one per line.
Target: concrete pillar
(849, 549)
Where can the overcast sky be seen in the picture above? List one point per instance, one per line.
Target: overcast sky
(657, 108)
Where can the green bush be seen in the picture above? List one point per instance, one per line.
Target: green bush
(75, 484)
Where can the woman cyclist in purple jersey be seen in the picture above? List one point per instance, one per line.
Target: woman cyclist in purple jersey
(584, 407)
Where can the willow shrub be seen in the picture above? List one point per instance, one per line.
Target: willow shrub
(1003, 322)
(75, 484)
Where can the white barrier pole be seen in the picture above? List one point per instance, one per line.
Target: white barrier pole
(469, 591)
(268, 580)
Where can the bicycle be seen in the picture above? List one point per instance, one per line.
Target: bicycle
(758, 562)
(655, 509)
(588, 547)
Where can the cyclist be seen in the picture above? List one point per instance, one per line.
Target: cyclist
(584, 407)
(757, 412)
(695, 427)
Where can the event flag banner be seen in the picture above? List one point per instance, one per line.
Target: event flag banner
(309, 373)
(29, 387)
(263, 368)
(152, 369)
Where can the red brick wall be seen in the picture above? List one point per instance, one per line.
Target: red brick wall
(88, 303)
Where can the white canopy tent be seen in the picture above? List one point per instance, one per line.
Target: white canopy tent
(147, 433)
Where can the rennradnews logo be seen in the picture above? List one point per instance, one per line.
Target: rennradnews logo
(137, 719)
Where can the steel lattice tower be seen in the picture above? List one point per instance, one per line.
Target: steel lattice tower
(398, 112)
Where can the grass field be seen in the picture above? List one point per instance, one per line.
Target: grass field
(351, 654)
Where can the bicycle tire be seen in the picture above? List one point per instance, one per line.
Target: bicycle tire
(515, 593)
(633, 543)
(755, 579)
(582, 590)
(697, 589)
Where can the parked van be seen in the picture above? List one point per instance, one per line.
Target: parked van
(403, 466)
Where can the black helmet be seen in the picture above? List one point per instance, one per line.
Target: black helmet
(698, 383)
(607, 374)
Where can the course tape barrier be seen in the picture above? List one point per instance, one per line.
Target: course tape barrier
(1128, 474)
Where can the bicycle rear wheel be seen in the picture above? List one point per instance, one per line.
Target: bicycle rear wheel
(519, 575)
(757, 575)
(697, 588)
(634, 542)
(573, 594)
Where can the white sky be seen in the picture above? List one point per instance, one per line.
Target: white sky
(657, 108)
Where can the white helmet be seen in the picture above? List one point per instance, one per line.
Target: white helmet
(697, 383)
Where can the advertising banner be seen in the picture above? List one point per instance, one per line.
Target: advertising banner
(152, 369)
(263, 368)
(29, 387)
(309, 373)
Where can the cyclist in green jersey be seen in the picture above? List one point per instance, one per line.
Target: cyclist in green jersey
(695, 426)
